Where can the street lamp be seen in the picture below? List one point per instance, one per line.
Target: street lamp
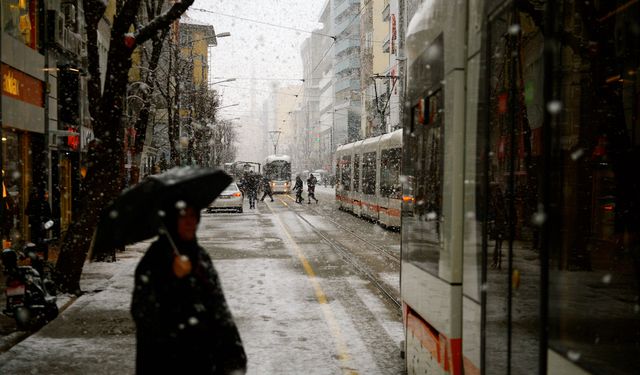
(223, 81)
(230, 105)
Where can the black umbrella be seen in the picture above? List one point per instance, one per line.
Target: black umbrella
(136, 214)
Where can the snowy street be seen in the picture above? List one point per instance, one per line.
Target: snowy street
(305, 288)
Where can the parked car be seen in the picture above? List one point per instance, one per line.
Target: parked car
(231, 199)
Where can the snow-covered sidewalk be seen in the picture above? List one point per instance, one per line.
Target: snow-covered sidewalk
(94, 334)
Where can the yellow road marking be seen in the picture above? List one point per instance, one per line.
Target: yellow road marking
(341, 347)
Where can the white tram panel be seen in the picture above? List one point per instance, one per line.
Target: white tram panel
(434, 298)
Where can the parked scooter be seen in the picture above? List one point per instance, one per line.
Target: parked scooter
(28, 299)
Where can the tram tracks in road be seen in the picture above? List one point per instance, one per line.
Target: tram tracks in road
(349, 258)
(385, 252)
(389, 254)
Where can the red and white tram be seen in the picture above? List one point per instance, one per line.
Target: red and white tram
(368, 178)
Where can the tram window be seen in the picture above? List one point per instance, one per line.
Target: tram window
(422, 220)
(390, 173)
(594, 283)
(369, 173)
(346, 173)
(356, 172)
(509, 158)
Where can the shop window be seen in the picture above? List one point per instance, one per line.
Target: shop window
(13, 190)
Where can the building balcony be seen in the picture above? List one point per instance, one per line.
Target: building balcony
(345, 6)
(346, 24)
(347, 84)
(386, 12)
(345, 44)
(386, 44)
(351, 62)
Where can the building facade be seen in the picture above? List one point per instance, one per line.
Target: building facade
(45, 122)
(346, 70)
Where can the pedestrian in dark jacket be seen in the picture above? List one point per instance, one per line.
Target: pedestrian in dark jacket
(311, 188)
(298, 189)
(183, 323)
(266, 188)
(252, 182)
(498, 224)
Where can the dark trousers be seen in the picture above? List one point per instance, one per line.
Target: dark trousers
(312, 195)
(253, 195)
(267, 192)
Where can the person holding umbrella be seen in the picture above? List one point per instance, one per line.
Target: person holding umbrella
(183, 322)
(182, 319)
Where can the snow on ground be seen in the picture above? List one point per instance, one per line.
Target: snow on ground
(95, 335)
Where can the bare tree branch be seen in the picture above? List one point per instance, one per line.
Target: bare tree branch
(163, 21)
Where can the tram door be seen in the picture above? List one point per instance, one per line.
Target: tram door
(511, 154)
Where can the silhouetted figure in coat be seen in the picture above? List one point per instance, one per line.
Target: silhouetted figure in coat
(311, 188)
(298, 189)
(183, 323)
(252, 182)
(266, 188)
(499, 226)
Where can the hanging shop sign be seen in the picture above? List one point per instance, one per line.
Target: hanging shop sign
(23, 87)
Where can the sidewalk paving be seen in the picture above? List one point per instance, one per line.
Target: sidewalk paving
(94, 334)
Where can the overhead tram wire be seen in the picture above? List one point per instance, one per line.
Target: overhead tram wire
(261, 79)
(264, 23)
(335, 38)
(279, 93)
(294, 29)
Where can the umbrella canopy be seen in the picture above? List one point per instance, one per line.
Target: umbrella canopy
(136, 214)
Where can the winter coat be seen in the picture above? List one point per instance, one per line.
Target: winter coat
(252, 183)
(311, 183)
(298, 186)
(266, 185)
(183, 325)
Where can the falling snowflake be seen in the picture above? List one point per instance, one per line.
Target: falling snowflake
(554, 107)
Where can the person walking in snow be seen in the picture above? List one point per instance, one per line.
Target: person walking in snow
(266, 188)
(311, 188)
(298, 189)
(252, 183)
(183, 322)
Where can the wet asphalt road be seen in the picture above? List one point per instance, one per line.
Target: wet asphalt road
(301, 305)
